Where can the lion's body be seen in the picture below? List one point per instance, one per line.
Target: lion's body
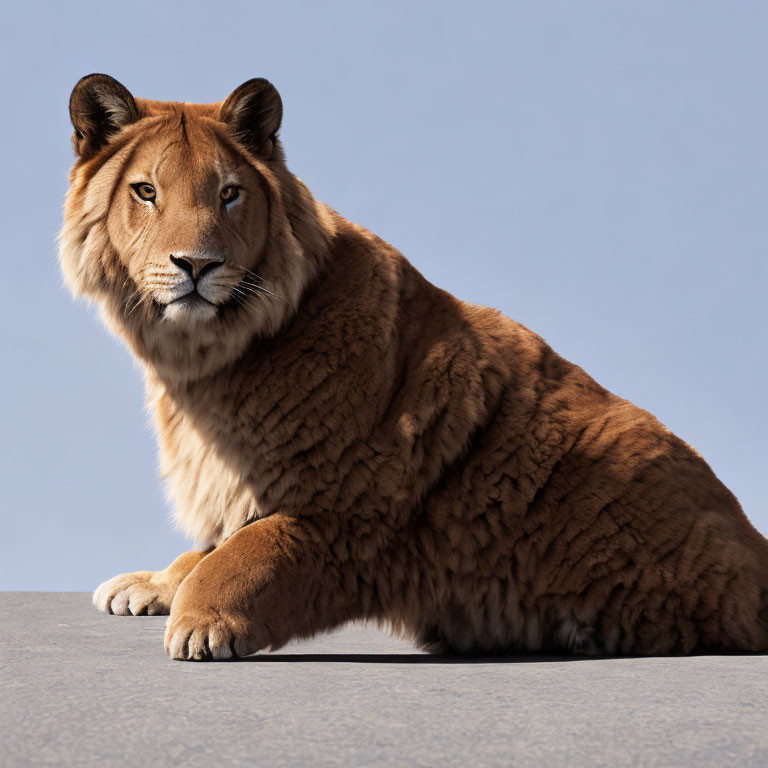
(373, 448)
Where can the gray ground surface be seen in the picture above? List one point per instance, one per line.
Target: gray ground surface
(80, 688)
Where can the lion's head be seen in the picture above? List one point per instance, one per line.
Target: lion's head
(183, 224)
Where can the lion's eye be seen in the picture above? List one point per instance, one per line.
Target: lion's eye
(144, 191)
(229, 194)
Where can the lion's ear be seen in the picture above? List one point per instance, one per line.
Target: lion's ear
(253, 113)
(99, 107)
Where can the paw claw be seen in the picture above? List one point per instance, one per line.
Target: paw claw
(132, 594)
(199, 639)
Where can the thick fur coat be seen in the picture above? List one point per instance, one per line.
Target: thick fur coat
(347, 441)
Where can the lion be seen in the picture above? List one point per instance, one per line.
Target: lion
(346, 441)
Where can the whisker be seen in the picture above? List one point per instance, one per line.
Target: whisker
(260, 289)
(259, 286)
(136, 304)
(252, 273)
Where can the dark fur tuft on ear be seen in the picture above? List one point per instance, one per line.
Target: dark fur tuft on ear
(99, 107)
(254, 112)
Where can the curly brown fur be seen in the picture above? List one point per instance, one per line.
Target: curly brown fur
(347, 441)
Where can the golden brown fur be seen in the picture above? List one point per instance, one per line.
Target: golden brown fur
(347, 441)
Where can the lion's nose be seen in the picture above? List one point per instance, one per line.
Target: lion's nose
(196, 264)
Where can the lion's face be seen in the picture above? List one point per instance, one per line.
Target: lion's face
(188, 220)
(175, 222)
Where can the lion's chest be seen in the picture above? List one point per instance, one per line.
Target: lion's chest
(210, 497)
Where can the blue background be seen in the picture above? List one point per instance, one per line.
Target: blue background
(596, 170)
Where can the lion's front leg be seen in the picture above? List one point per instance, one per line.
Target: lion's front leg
(145, 592)
(258, 589)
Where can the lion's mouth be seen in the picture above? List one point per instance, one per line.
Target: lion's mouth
(190, 300)
(191, 307)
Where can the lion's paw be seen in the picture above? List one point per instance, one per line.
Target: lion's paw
(133, 594)
(206, 636)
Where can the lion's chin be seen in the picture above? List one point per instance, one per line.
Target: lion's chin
(189, 310)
